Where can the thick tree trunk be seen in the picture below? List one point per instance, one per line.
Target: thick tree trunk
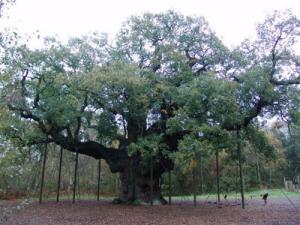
(136, 185)
(140, 191)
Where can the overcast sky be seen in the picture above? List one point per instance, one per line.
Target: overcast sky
(233, 20)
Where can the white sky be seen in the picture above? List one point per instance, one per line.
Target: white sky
(233, 20)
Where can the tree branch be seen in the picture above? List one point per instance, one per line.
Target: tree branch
(25, 113)
(255, 111)
(37, 96)
(285, 82)
(85, 103)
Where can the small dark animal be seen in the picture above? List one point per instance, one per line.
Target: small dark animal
(225, 196)
(265, 197)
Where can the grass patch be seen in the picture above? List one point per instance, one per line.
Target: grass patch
(273, 193)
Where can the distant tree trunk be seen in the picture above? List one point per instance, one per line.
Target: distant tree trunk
(258, 172)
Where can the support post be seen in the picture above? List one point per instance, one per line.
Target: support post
(270, 177)
(75, 177)
(43, 174)
(201, 174)
(59, 174)
(99, 177)
(151, 180)
(194, 187)
(170, 186)
(218, 175)
(240, 167)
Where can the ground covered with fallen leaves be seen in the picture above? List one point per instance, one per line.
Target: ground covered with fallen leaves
(277, 211)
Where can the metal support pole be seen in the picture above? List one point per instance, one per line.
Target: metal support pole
(201, 175)
(170, 186)
(99, 177)
(240, 167)
(218, 175)
(59, 173)
(75, 176)
(43, 174)
(194, 187)
(151, 179)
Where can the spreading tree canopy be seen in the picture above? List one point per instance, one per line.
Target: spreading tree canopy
(166, 85)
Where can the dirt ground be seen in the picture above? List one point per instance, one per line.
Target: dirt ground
(277, 211)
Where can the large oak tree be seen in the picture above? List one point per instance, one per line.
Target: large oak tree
(167, 82)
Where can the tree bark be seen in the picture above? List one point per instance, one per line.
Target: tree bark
(140, 186)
